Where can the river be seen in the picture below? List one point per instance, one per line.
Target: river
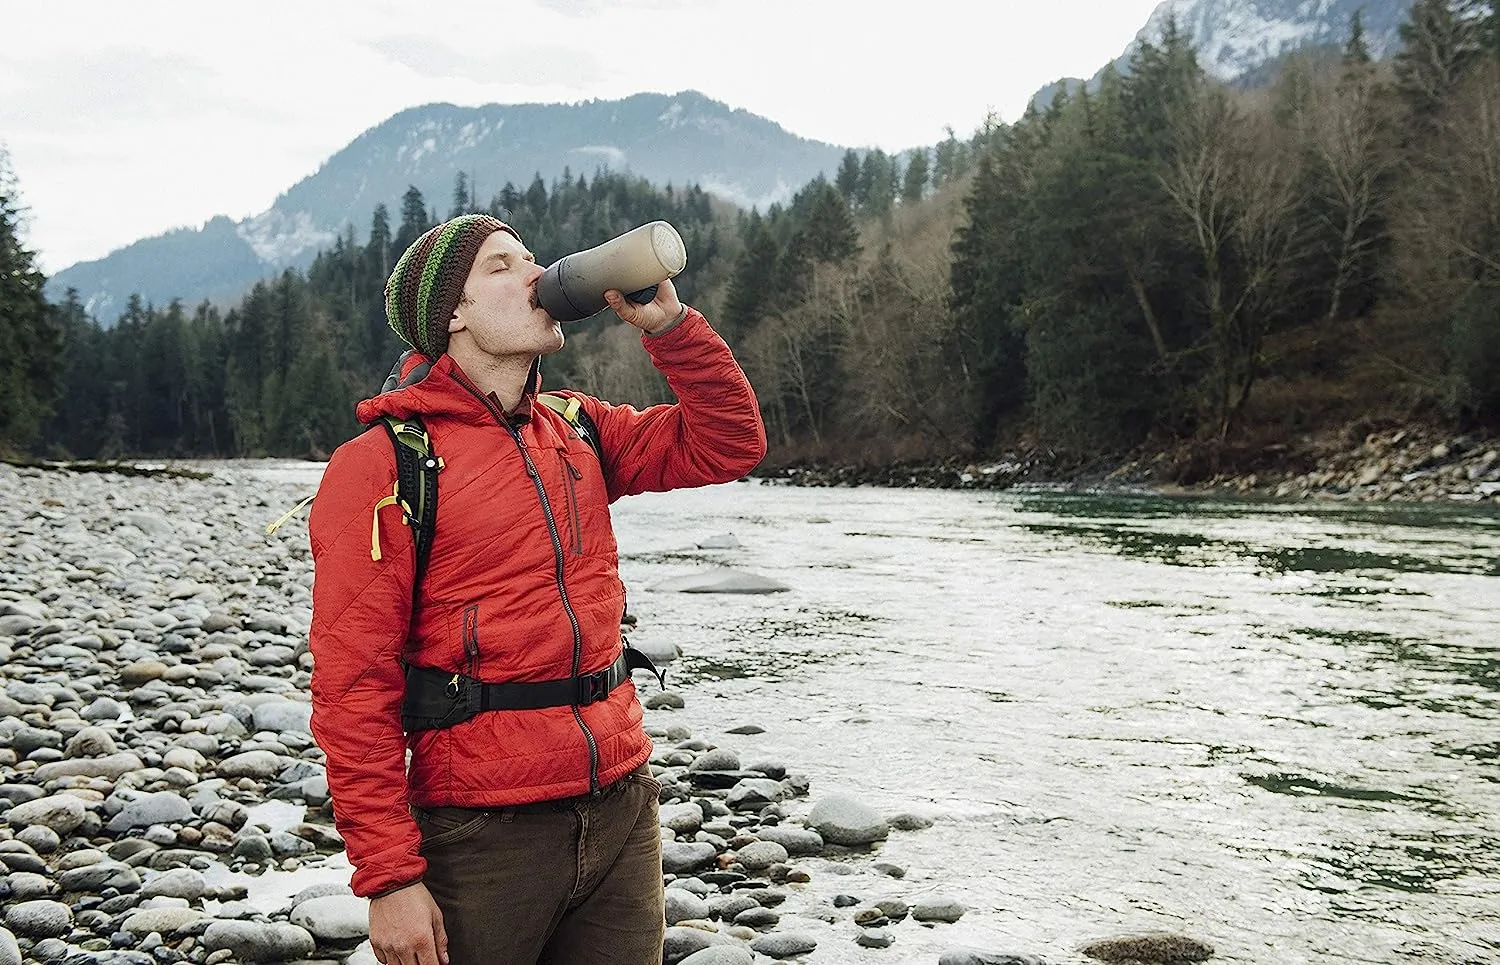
(1270, 726)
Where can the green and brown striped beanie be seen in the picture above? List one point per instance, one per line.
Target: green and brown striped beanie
(428, 280)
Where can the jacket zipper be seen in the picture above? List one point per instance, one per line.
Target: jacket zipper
(471, 639)
(571, 475)
(557, 555)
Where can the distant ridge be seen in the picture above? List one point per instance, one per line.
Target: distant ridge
(1235, 38)
(681, 139)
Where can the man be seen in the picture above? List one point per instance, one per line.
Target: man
(516, 835)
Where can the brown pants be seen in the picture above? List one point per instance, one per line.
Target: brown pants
(573, 882)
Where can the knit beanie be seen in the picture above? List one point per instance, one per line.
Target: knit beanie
(428, 280)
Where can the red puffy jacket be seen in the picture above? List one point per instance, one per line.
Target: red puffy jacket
(523, 574)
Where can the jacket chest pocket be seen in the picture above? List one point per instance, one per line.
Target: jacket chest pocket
(583, 519)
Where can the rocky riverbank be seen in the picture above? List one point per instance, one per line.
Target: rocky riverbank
(1409, 464)
(162, 799)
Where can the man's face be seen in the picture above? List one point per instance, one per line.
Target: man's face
(499, 308)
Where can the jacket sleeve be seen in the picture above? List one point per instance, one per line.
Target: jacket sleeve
(713, 434)
(361, 609)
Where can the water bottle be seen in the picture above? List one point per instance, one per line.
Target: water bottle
(636, 262)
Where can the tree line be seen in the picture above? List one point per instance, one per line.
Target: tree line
(1156, 259)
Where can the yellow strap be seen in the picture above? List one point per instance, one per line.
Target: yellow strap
(571, 411)
(271, 530)
(391, 500)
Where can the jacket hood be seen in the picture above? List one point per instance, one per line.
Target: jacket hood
(420, 386)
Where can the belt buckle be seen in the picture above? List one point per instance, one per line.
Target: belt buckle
(593, 688)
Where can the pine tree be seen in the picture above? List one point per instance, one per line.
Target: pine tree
(1439, 45)
(987, 286)
(463, 198)
(876, 191)
(1357, 49)
(30, 341)
(915, 181)
(414, 219)
(847, 180)
(752, 287)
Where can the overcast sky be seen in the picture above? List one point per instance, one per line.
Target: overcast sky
(126, 119)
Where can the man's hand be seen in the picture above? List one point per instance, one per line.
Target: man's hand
(406, 928)
(651, 317)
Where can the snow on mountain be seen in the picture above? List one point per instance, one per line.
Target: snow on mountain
(1234, 37)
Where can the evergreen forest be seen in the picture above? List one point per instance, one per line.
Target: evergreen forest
(1159, 260)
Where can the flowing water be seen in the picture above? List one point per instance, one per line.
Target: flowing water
(1269, 726)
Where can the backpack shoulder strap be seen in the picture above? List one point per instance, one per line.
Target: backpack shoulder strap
(578, 417)
(417, 469)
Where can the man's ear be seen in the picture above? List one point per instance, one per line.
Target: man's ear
(455, 324)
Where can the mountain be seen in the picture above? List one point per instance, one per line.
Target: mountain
(678, 138)
(1235, 38)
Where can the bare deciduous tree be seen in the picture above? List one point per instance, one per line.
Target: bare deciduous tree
(1236, 193)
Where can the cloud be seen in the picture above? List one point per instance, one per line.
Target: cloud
(515, 62)
(117, 84)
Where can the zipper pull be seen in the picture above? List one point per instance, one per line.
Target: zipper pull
(572, 469)
(452, 688)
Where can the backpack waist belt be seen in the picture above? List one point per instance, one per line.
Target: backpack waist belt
(437, 699)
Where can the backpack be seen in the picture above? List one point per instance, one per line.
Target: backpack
(417, 468)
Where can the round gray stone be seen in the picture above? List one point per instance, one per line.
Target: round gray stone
(161, 807)
(62, 813)
(795, 840)
(335, 918)
(96, 877)
(718, 759)
(973, 956)
(39, 919)
(843, 820)
(721, 955)
(784, 944)
(162, 920)
(177, 883)
(761, 855)
(284, 715)
(681, 818)
(937, 908)
(684, 906)
(680, 856)
(260, 765)
(28, 885)
(254, 941)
